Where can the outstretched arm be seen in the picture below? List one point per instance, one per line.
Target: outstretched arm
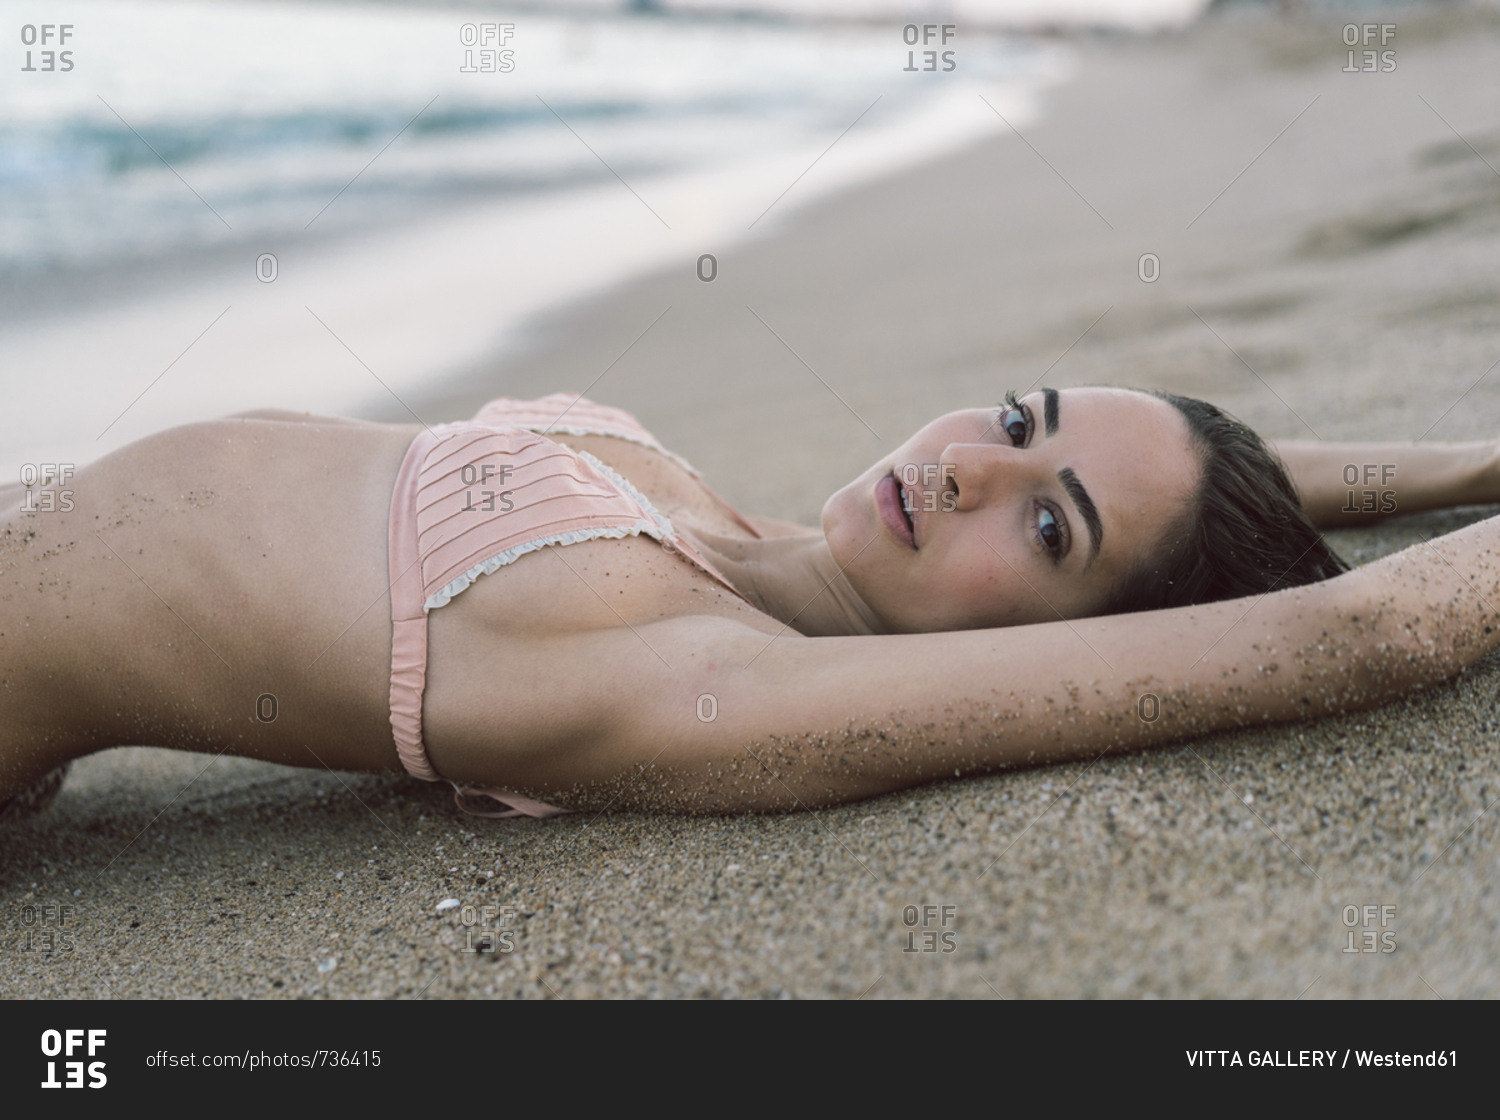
(743, 720)
(1346, 484)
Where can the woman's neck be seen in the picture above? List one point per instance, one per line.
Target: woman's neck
(793, 578)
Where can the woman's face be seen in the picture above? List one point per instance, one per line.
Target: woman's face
(990, 517)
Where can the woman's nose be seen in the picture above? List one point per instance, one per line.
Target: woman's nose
(981, 471)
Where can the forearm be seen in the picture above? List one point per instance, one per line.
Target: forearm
(1345, 484)
(840, 719)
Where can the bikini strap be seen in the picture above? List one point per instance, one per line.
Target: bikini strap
(518, 806)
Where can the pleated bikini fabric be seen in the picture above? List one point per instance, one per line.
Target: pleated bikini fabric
(475, 495)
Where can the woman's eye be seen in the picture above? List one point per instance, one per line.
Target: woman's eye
(1047, 528)
(1013, 422)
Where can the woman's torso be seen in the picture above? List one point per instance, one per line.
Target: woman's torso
(224, 585)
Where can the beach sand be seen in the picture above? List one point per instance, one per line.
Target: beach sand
(1328, 273)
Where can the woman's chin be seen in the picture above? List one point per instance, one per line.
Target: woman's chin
(841, 523)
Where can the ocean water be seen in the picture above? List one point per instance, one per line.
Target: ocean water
(424, 180)
(1135, 15)
(181, 125)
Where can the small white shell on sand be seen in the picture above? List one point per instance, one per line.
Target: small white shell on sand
(328, 964)
(446, 904)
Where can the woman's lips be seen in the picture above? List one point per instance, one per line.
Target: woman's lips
(892, 515)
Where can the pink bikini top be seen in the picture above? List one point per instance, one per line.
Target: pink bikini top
(496, 487)
(471, 497)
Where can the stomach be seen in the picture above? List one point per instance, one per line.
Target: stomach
(220, 585)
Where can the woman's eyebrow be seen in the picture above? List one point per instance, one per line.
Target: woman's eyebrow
(1074, 488)
(1086, 509)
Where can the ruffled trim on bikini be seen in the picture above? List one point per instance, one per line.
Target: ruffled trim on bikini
(624, 484)
(445, 594)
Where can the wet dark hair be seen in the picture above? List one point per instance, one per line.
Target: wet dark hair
(1244, 532)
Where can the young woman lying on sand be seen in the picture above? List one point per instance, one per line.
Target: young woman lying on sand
(1001, 590)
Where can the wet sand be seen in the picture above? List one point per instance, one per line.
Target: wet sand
(1336, 278)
